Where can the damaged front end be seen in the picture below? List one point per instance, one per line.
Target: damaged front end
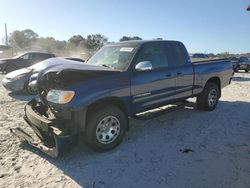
(58, 125)
(54, 137)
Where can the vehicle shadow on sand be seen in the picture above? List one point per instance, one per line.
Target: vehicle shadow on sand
(21, 96)
(151, 148)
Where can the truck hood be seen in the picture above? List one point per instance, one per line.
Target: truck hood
(61, 76)
(64, 68)
(77, 67)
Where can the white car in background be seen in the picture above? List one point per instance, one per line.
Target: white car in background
(25, 79)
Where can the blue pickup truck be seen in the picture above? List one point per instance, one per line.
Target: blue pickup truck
(92, 101)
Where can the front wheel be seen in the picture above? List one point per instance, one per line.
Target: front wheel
(106, 127)
(209, 98)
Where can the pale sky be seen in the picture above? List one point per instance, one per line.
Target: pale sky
(202, 25)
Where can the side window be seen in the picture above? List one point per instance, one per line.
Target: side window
(176, 54)
(154, 52)
(44, 56)
(34, 56)
(26, 56)
(40, 56)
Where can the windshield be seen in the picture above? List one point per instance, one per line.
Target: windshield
(116, 57)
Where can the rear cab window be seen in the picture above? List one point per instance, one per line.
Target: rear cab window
(176, 54)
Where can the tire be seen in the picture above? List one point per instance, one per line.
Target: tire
(247, 70)
(10, 68)
(99, 137)
(209, 98)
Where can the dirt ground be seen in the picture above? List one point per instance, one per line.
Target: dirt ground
(184, 148)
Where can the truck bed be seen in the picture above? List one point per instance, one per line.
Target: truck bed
(211, 68)
(207, 60)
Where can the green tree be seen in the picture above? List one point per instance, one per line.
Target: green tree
(224, 55)
(23, 39)
(77, 44)
(96, 41)
(76, 39)
(211, 55)
(29, 34)
(126, 38)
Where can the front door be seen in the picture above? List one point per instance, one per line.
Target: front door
(150, 89)
(25, 60)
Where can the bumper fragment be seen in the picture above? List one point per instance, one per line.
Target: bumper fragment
(51, 151)
(53, 140)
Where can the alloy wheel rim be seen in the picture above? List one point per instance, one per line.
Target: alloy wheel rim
(108, 130)
(212, 97)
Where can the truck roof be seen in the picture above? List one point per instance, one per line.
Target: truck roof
(141, 42)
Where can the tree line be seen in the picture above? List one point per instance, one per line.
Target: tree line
(29, 40)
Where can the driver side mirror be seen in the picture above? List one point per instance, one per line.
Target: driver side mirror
(144, 66)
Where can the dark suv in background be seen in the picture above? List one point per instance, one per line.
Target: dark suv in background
(243, 64)
(24, 60)
(200, 55)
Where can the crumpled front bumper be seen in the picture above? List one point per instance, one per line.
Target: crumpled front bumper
(53, 138)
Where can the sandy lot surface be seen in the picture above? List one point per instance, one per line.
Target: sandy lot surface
(151, 154)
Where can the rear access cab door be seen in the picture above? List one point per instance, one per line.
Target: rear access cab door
(183, 68)
(170, 74)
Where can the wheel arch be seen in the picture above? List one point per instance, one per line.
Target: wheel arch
(115, 101)
(215, 80)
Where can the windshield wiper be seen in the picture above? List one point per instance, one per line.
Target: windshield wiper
(109, 66)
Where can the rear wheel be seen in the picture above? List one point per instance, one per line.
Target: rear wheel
(208, 99)
(106, 127)
(247, 70)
